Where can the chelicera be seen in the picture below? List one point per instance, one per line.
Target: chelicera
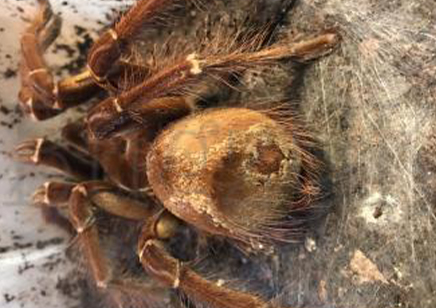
(235, 173)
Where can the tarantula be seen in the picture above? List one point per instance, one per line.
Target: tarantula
(235, 173)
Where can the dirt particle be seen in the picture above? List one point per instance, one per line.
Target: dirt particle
(51, 265)
(67, 287)
(53, 241)
(4, 249)
(378, 212)
(4, 110)
(310, 244)
(9, 73)
(25, 267)
(79, 30)
(365, 269)
(8, 298)
(22, 246)
(322, 291)
(64, 47)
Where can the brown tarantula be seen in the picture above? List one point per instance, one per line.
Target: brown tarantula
(235, 173)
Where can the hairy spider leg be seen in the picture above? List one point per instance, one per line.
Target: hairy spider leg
(110, 119)
(107, 196)
(109, 47)
(74, 134)
(114, 113)
(51, 197)
(174, 274)
(129, 169)
(82, 202)
(40, 95)
(123, 158)
(54, 194)
(44, 152)
(81, 199)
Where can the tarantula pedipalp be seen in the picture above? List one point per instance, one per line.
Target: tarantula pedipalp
(231, 172)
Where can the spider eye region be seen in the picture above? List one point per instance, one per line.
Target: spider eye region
(228, 171)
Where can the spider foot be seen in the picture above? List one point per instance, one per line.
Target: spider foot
(53, 194)
(39, 197)
(40, 96)
(41, 151)
(29, 151)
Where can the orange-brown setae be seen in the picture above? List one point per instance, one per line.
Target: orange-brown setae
(227, 171)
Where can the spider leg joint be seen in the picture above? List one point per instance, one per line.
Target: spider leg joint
(196, 67)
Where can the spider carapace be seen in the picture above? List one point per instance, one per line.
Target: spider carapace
(235, 173)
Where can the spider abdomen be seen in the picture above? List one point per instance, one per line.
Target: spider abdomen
(230, 171)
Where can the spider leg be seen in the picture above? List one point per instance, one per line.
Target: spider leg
(44, 152)
(52, 197)
(40, 96)
(171, 272)
(53, 194)
(108, 48)
(113, 113)
(107, 119)
(84, 197)
(73, 134)
(108, 198)
(193, 67)
(123, 158)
